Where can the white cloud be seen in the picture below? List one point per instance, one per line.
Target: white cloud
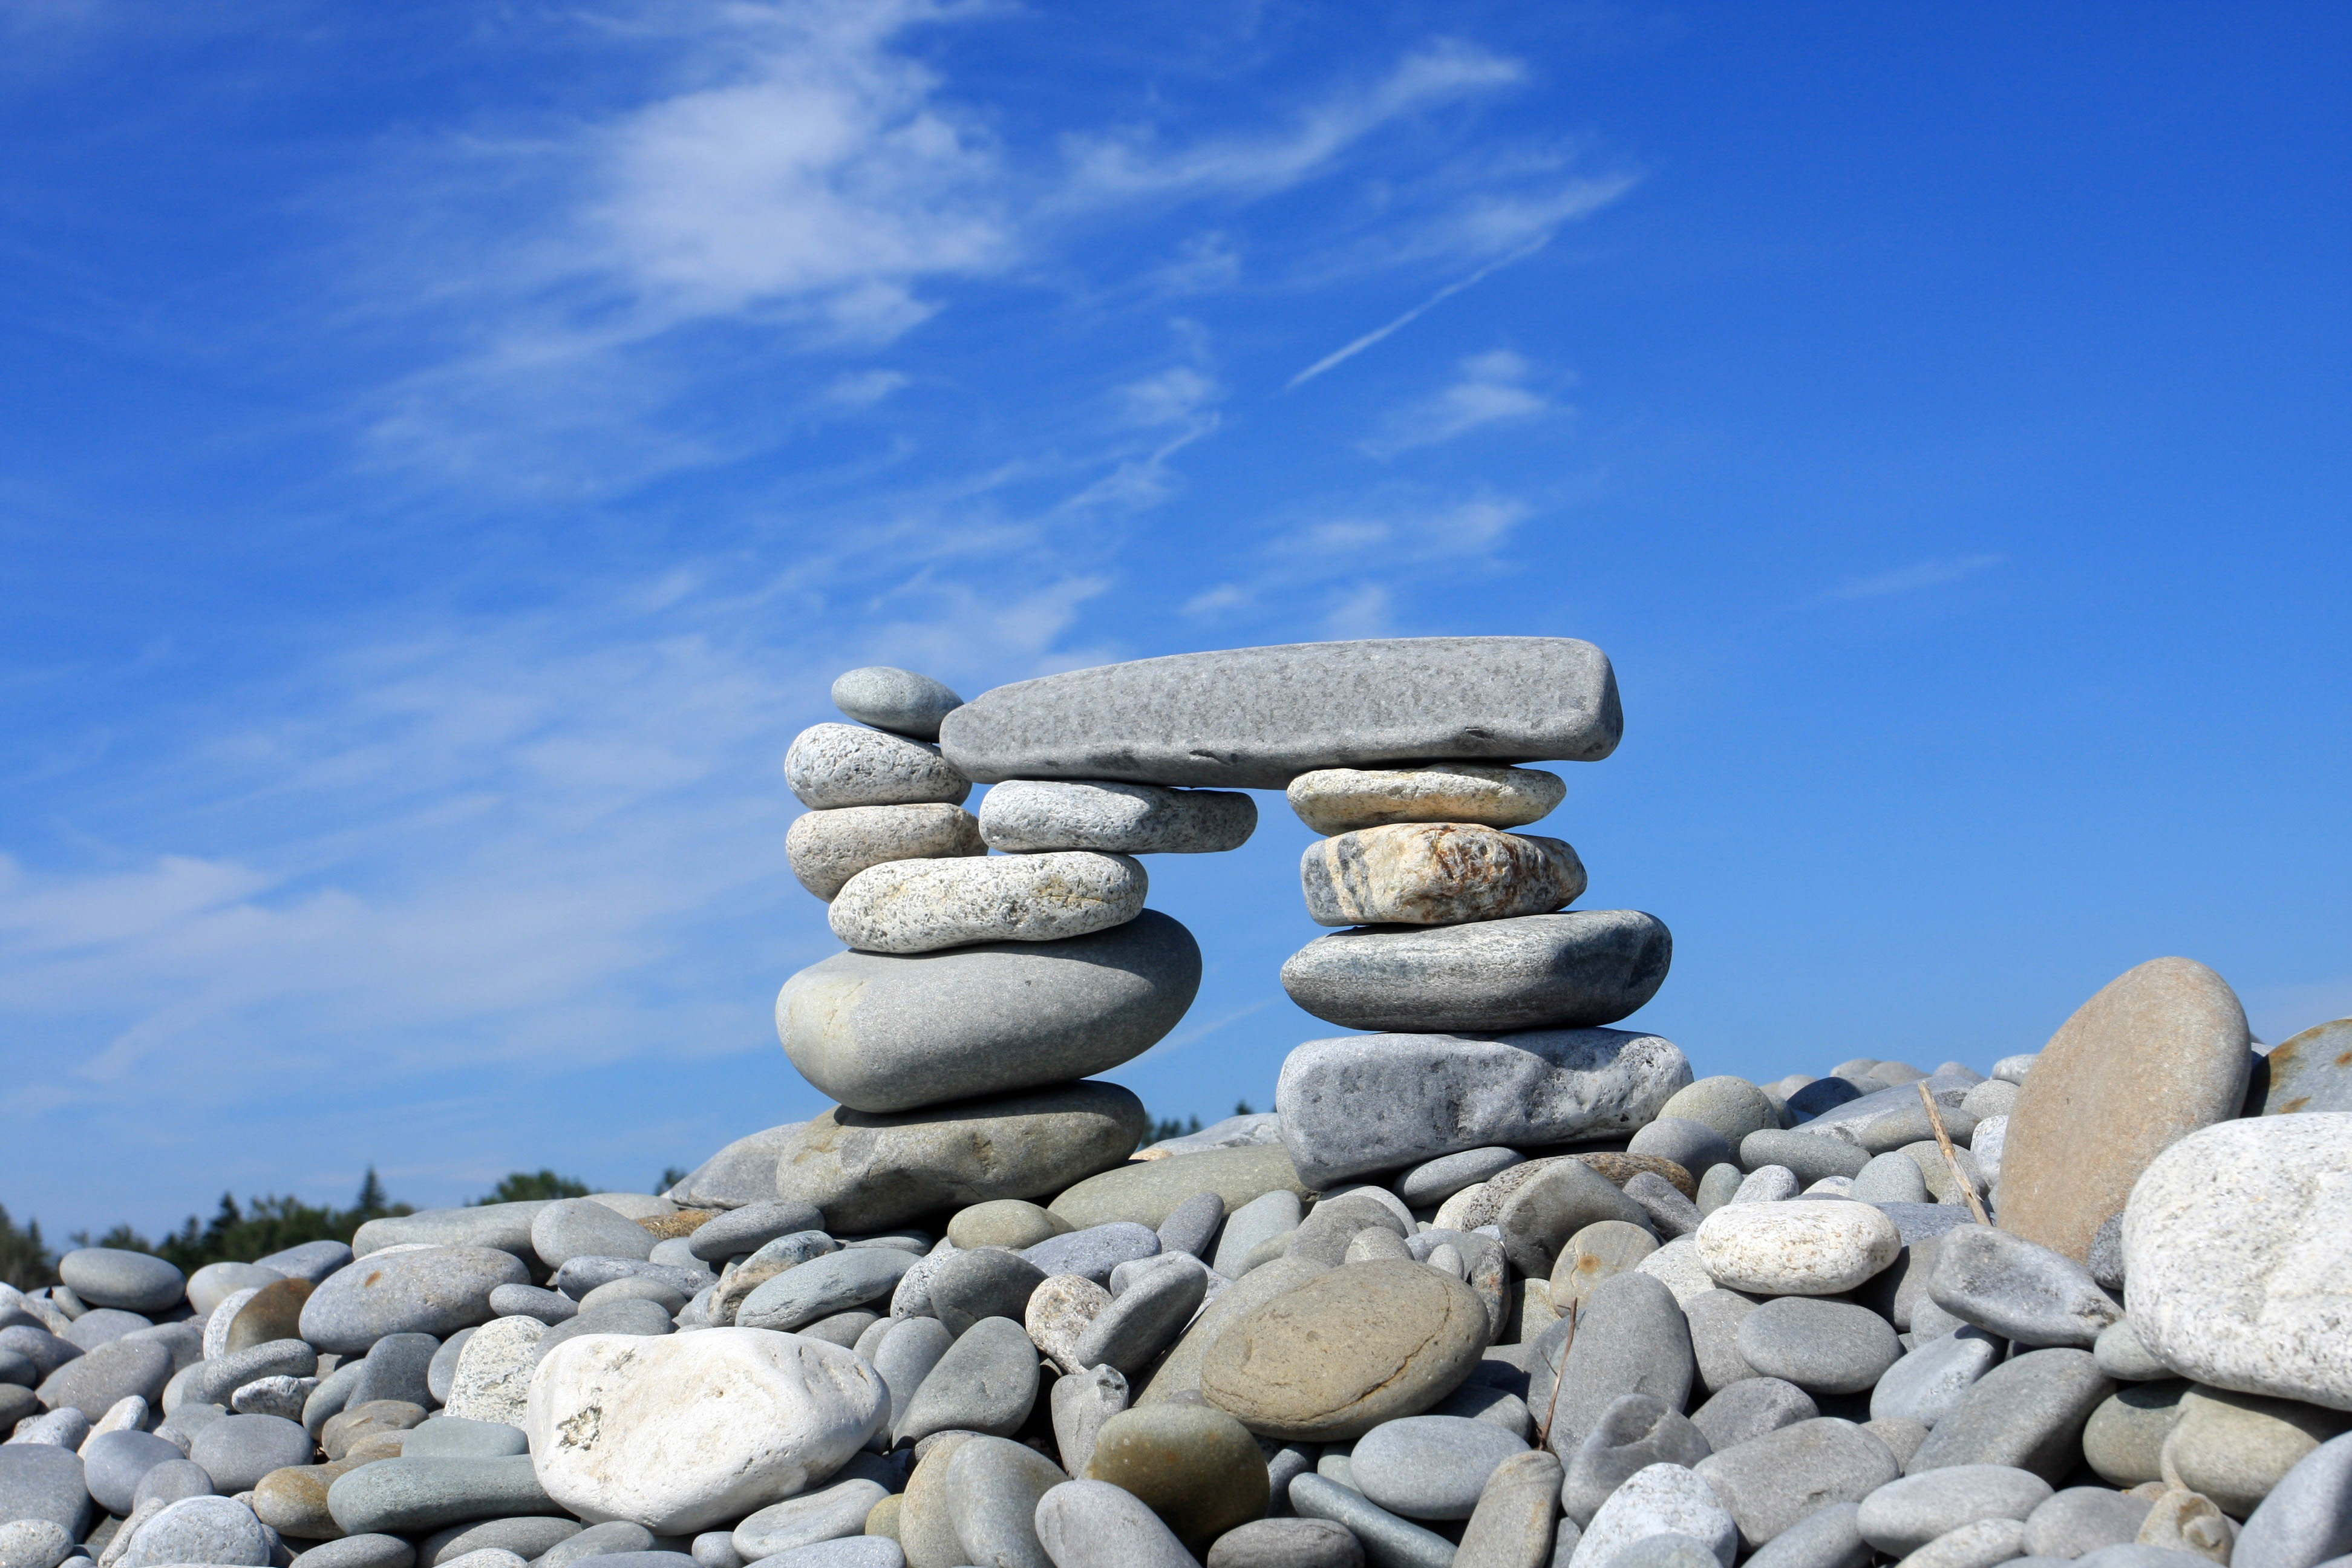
(1373, 559)
(1491, 388)
(865, 388)
(1361, 612)
(1933, 572)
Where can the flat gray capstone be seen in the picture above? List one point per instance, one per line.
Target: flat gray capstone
(1362, 1104)
(111, 1277)
(831, 765)
(1567, 971)
(898, 700)
(882, 1032)
(1023, 815)
(1257, 717)
(435, 1291)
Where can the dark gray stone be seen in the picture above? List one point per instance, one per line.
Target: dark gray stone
(1567, 971)
(413, 1497)
(1809, 1156)
(1191, 1227)
(1143, 1319)
(1770, 1482)
(1362, 1104)
(1257, 717)
(46, 1350)
(1714, 1317)
(434, 1292)
(92, 1383)
(1820, 1097)
(2028, 1412)
(1631, 1338)
(134, 1281)
(1387, 1540)
(898, 700)
(2011, 1286)
(884, 1032)
(396, 1367)
(1435, 1181)
(2107, 1259)
(1671, 1215)
(987, 1382)
(823, 1286)
(114, 1463)
(1634, 1432)
(1822, 1346)
(39, 1481)
(1749, 1408)
(742, 1231)
(441, 1371)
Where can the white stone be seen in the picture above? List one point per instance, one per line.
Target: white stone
(684, 1433)
(1815, 1248)
(493, 1377)
(2236, 1269)
(1660, 1499)
(1341, 800)
(1985, 1144)
(921, 906)
(828, 848)
(1678, 1265)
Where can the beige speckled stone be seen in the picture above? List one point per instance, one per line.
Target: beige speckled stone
(922, 906)
(1059, 1312)
(493, 1377)
(1341, 800)
(828, 848)
(1436, 873)
(2162, 1051)
(1815, 1248)
(2234, 1447)
(1346, 1351)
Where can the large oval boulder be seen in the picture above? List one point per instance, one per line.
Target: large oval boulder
(432, 1291)
(1569, 970)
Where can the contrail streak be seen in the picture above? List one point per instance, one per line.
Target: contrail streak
(1369, 339)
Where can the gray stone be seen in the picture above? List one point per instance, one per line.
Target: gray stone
(2305, 1072)
(215, 1530)
(2162, 1051)
(1094, 1252)
(39, 1481)
(503, 1226)
(1826, 1538)
(46, 1350)
(1563, 1199)
(898, 700)
(1513, 1525)
(1191, 1225)
(458, 1437)
(992, 1487)
(2259, 1307)
(1145, 1192)
(1572, 970)
(909, 907)
(1027, 815)
(582, 1227)
(1082, 1402)
(909, 1349)
(1906, 1515)
(396, 1367)
(1671, 1215)
(987, 1382)
(34, 1544)
(2121, 1356)
(1988, 1099)
(360, 1551)
(742, 1172)
(216, 1379)
(1689, 1142)
(1892, 1178)
(1667, 1549)
(1822, 1347)
(2124, 1439)
(2028, 1413)
(2135, 1557)
(745, 1230)
(535, 1539)
(437, 1291)
(1663, 1500)
(1820, 1097)
(114, 1463)
(1143, 1319)
(1714, 1317)
(2308, 1517)
(1847, 1117)
(1718, 1186)
(409, 1496)
(1809, 1156)
(93, 1382)
(1341, 800)
(1430, 1467)
(1387, 1540)
(850, 1552)
(882, 1032)
(2082, 1518)
(103, 1325)
(1634, 1431)
(827, 848)
(1982, 1544)
(1908, 1124)
(1362, 1104)
(985, 1282)
(1599, 1251)
(716, 1548)
(1290, 1544)
(827, 1514)
(774, 1258)
(1631, 1338)
(441, 1371)
(2235, 1447)
(2011, 1286)
(1258, 718)
(1093, 1524)
(864, 1171)
(1901, 1435)
(110, 1276)
(238, 1450)
(1011, 1223)
(311, 1260)
(2105, 1260)
(643, 1319)
(170, 1481)
(830, 765)
(1747, 1410)
(1766, 1184)
(1178, 1374)
(1259, 1220)
(1933, 1377)
(1436, 874)
(1731, 1105)
(1770, 1482)
(274, 1396)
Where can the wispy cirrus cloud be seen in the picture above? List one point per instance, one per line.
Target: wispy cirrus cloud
(1933, 572)
(1492, 388)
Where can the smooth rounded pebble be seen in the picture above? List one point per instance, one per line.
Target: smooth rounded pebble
(2235, 1447)
(831, 765)
(827, 1514)
(1809, 1156)
(1731, 1105)
(1597, 1252)
(1031, 815)
(1905, 1515)
(1689, 1142)
(118, 1370)
(1387, 1537)
(2308, 1517)
(1631, 1338)
(1749, 1408)
(1663, 1500)
(1931, 1378)
(1770, 1482)
(1430, 1467)
(34, 1544)
(985, 1282)
(110, 1276)
(987, 1382)
(1011, 1223)
(823, 1286)
(745, 1230)
(2012, 1287)
(1635, 1432)
(434, 1291)
(898, 700)
(1822, 1347)
(582, 1227)
(214, 1530)
(924, 906)
(1197, 1468)
(360, 1551)
(1341, 800)
(213, 1283)
(2083, 1519)
(236, 1451)
(171, 1480)
(1287, 1543)
(1093, 1524)
(1571, 970)
(39, 1480)
(1797, 1248)
(114, 1463)
(2028, 1412)
(1826, 1538)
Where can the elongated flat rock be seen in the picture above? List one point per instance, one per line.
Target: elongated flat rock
(1435, 873)
(868, 1172)
(1256, 718)
(827, 848)
(1025, 815)
(924, 906)
(1364, 1103)
(1341, 800)
(1567, 971)
(886, 1032)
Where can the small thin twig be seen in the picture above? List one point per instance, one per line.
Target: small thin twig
(1951, 1157)
(1551, 1409)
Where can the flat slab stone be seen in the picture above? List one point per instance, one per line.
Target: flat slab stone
(2309, 1071)
(866, 1172)
(923, 906)
(1435, 873)
(1365, 1103)
(1341, 800)
(1256, 718)
(882, 1032)
(2162, 1051)
(1567, 971)
(1024, 816)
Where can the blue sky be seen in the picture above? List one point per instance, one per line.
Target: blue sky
(446, 450)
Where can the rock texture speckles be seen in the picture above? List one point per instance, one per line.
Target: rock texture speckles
(1436, 873)
(1342, 800)
(1572, 970)
(896, 700)
(827, 848)
(922, 906)
(1029, 815)
(2311, 1071)
(832, 765)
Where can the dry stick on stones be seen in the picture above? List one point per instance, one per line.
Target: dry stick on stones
(1544, 1438)
(1944, 1141)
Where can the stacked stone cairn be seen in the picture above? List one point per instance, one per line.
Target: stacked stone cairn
(1496, 1286)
